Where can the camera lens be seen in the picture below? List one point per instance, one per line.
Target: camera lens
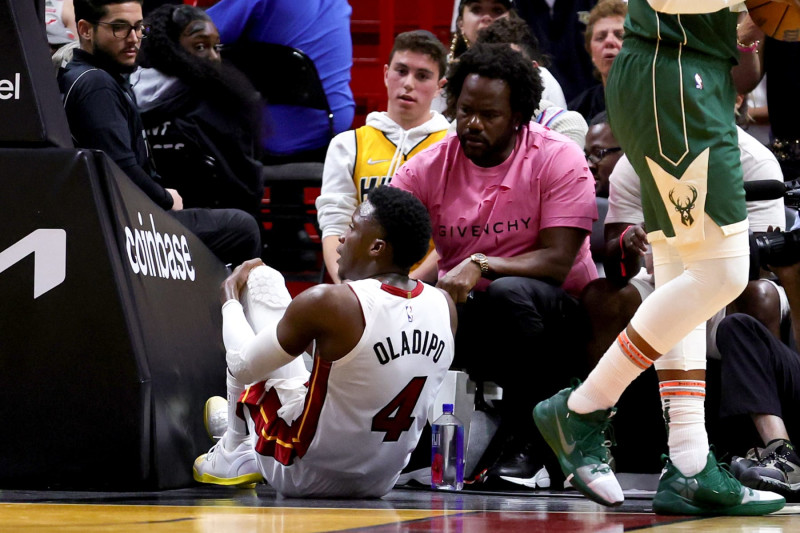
(779, 248)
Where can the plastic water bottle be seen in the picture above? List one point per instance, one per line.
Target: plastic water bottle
(447, 451)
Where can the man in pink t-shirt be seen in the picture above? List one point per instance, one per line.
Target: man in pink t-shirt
(512, 205)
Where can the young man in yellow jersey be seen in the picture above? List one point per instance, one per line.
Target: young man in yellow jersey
(360, 160)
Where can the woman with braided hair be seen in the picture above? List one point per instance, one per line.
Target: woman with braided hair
(201, 116)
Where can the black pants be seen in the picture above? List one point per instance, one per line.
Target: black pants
(760, 374)
(525, 335)
(231, 234)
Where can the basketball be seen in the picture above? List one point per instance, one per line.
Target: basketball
(779, 20)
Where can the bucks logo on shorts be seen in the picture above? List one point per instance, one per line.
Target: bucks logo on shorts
(684, 204)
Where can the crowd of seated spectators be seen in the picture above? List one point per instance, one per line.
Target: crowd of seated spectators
(526, 282)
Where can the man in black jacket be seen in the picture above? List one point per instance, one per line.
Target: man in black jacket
(103, 115)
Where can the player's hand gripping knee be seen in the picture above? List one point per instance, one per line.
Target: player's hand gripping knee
(232, 286)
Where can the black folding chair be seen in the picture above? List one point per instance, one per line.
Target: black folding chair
(287, 76)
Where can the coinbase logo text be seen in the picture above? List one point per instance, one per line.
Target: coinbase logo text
(162, 255)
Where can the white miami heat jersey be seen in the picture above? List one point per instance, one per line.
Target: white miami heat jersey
(364, 413)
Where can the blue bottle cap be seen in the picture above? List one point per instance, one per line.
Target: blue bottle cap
(447, 408)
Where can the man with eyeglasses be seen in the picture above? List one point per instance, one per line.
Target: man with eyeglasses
(102, 114)
(602, 152)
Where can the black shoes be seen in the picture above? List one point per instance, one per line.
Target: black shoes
(519, 464)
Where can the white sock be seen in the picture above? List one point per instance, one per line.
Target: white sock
(682, 402)
(619, 366)
(236, 432)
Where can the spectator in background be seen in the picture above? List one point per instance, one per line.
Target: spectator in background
(59, 20)
(201, 116)
(512, 205)
(559, 28)
(477, 16)
(551, 110)
(320, 29)
(604, 34)
(602, 152)
(368, 157)
(102, 115)
(473, 16)
(62, 35)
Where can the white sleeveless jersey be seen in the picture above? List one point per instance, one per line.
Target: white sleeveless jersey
(364, 413)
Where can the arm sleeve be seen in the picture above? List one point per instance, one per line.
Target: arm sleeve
(250, 357)
(338, 198)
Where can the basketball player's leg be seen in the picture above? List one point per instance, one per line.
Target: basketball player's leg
(264, 301)
(232, 460)
(609, 308)
(664, 319)
(681, 373)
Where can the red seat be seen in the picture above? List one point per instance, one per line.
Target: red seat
(374, 26)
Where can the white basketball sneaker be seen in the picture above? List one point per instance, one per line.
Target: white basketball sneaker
(215, 417)
(540, 480)
(231, 468)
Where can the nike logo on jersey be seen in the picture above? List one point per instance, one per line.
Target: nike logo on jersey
(371, 161)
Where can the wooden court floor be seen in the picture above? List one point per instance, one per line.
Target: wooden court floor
(217, 510)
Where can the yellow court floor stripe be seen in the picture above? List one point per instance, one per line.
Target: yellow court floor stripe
(197, 519)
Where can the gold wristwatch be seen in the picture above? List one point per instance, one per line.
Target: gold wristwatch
(482, 261)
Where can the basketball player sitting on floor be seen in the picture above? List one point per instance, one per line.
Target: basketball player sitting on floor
(383, 345)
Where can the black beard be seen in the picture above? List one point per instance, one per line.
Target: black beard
(110, 63)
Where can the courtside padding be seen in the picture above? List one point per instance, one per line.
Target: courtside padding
(110, 325)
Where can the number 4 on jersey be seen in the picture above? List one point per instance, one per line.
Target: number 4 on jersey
(396, 417)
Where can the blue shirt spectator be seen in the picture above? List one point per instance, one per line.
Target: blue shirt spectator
(319, 28)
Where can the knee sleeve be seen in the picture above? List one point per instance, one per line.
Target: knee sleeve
(256, 357)
(265, 298)
(673, 311)
(688, 354)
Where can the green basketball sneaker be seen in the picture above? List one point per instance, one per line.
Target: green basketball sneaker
(580, 443)
(713, 491)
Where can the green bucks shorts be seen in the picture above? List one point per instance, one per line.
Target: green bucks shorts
(672, 111)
